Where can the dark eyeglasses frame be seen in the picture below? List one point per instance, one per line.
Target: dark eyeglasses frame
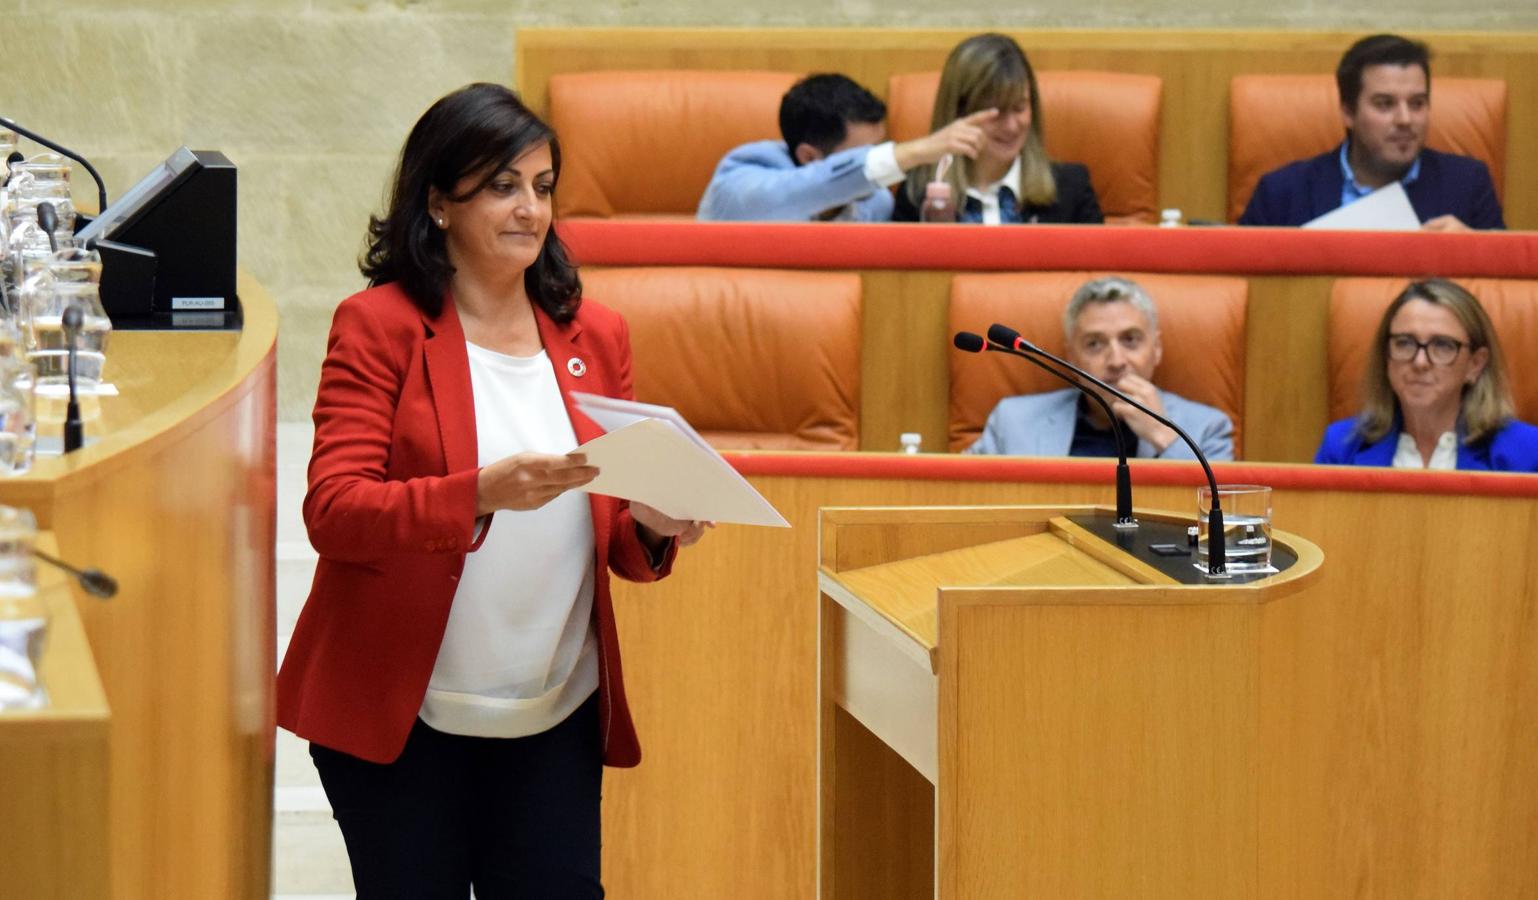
(1426, 346)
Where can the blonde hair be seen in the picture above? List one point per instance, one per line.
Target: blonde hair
(989, 71)
(1486, 405)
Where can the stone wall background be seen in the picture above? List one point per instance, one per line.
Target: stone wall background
(312, 98)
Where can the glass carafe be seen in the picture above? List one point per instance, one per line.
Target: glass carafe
(26, 248)
(23, 617)
(49, 182)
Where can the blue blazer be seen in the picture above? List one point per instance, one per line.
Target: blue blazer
(1042, 425)
(1512, 449)
(760, 182)
(1307, 189)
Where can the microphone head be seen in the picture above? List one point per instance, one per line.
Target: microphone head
(1003, 334)
(98, 583)
(971, 343)
(72, 317)
(47, 216)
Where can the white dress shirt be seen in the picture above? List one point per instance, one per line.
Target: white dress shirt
(1408, 456)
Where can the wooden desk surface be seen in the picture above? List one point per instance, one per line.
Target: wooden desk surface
(76, 703)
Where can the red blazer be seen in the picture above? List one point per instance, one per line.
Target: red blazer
(391, 511)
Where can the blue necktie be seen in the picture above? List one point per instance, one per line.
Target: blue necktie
(1009, 213)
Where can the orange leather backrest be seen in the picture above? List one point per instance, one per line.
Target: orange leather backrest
(1109, 121)
(1275, 119)
(1201, 320)
(1357, 305)
(752, 358)
(646, 143)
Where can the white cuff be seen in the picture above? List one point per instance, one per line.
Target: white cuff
(881, 165)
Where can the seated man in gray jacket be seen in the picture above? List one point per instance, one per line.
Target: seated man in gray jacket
(1112, 328)
(834, 163)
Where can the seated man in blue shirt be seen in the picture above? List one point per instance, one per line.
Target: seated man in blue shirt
(1112, 328)
(1385, 102)
(835, 162)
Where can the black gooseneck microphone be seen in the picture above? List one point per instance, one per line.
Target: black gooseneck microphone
(48, 220)
(974, 343)
(10, 167)
(1217, 556)
(74, 429)
(101, 186)
(93, 581)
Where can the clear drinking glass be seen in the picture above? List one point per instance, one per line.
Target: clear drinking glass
(73, 278)
(1246, 527)
(26, 247)
(18, 416)
(23, 618)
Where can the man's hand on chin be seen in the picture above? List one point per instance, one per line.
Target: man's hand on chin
(1143, 425)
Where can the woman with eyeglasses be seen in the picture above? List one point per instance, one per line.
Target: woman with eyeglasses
(1436, 392)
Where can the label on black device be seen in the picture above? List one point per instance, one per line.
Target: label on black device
(197, 303)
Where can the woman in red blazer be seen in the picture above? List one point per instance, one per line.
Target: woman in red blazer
(442, 407)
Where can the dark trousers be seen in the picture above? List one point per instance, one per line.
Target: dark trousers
(515, 817)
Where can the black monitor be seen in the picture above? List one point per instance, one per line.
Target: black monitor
(179, 223)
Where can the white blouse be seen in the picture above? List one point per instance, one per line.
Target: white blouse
(519, 654)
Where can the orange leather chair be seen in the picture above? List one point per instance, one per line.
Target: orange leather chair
(1357, 305)
(1201, 320)
(753, 358)
(1275, 119)
(1108, 121)
(646, 143)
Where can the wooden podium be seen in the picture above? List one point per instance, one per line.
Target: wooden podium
(1011, 705)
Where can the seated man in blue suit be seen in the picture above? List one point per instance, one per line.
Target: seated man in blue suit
(835, 162)
(1385, 102)
(1112, 328)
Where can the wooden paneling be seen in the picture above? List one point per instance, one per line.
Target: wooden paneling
(1113, 759)
(903, 379)
(175, 497)
(1404, 694)
(1195, 65)
(53, 766)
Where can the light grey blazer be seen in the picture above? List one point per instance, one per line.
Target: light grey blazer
(1042, 425)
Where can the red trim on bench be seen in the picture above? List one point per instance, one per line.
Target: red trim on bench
(1258, 251)
(940, 467)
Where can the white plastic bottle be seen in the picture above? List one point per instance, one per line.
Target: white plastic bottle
(939, 205)
(911, 441)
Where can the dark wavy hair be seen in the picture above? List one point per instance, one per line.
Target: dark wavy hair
(479, 128)
(818, 110)
(1377, 50)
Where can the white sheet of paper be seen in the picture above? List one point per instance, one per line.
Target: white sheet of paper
(612, 414)
(1386, 209)
(651, 459)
